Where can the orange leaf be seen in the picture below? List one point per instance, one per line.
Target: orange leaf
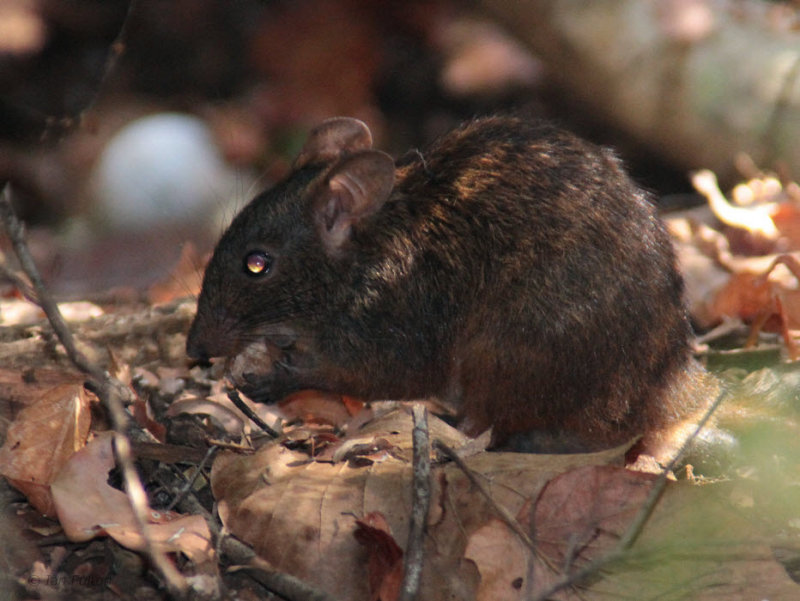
(42, 438)
(385, 564)
(745, 296)
(88, 506)
(316, 406)
(352, 404)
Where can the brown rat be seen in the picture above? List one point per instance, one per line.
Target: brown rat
(511, 269)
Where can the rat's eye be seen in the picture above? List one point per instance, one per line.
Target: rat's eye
(257, 263)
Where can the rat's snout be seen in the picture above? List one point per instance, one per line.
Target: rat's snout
(196, 347)
(206, 340)
(195, 350)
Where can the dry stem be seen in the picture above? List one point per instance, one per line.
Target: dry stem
(111, 391)
(421, 501)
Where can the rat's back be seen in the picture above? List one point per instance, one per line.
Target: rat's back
(567, 314)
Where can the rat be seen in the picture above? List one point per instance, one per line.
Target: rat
(511, 270)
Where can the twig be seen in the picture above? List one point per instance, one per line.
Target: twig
(189, 484)
(645, 511)
(420, 504)
(110, 390)
(233, 395)
(16, 233)
(68, 122)
(285, 585)
(170, 478)
(18, 280)
(115, 52)
(504, 514)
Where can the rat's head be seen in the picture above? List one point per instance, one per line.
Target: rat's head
(275, 269)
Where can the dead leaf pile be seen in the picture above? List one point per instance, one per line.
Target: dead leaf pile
(322, 519)
(740, 256)
(329, 501)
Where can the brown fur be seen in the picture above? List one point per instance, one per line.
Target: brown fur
(513, 270)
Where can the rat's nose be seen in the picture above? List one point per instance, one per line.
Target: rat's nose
(195, 348)
(211, 337)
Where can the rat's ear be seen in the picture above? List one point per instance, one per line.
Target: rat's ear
(333, 138)
(355, 188)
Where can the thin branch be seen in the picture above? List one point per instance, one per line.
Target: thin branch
(285, 585)
(420, 505)
(111, 391)
(115, 52)
(233, 395)
(16, 233)
(188, 487)
(636, 527)
(18, 280)
(645, 511)
(117, 47)
(504, 514)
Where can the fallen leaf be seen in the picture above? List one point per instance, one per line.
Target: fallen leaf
(43, 436)
(278, 494)
(352, 404)
(85, 502)
(502, 561)
(78, 311)
(88, 506)
(385, 562)
(745, 296)
(316, 406)
(143, 416)
(693, 548)
(787, 219)
(328, 73)
(17, 312)
(582, 513)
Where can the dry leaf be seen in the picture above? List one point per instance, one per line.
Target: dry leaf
(86, 503)
(502, 562)
(581, 514)
(385, 563)
(311, 507)
(220, 409)
(353, 405)
(26, 388)
(88, 506)
(143, 416)
(327, 73)
(43, 436)
(14, 312)
(316, 406)
(17, 312)
(745, 295)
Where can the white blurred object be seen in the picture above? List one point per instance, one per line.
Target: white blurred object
(162, 170)
(15, 312)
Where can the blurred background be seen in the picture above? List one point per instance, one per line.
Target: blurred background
(131, 128)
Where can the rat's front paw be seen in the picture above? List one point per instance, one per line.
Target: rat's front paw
(251, 371)
(264, 372)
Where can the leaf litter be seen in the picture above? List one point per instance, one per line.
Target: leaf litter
(332, 497)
